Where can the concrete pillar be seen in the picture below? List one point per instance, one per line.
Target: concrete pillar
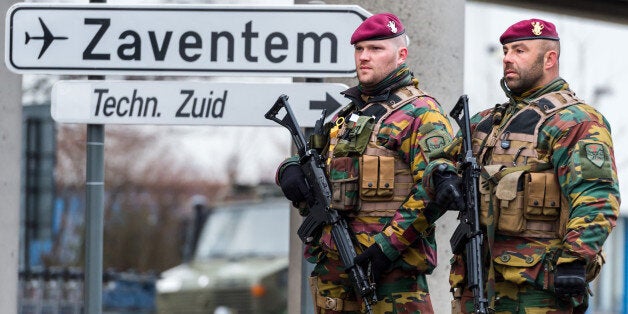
(436, 31)
(10, 150)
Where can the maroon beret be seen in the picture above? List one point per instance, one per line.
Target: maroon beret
(529, 29)
(378, 26)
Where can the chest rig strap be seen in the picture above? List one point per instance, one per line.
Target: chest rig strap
(404, 95)
(519, 127)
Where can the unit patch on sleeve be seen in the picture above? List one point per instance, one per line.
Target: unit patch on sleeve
(435, 142)
(595, 154)
(591, 160)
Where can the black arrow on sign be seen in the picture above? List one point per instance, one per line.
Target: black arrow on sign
(329, 103)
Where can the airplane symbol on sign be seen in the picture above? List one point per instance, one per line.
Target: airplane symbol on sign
(48, 38)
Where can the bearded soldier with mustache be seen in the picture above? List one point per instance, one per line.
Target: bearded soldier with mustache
(549, 195)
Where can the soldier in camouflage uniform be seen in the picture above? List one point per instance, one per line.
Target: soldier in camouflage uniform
(377, 148)
(549, 194)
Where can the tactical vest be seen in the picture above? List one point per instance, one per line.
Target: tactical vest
(519, 185)
(367, 179)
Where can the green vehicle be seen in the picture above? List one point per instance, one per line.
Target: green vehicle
(240, 264)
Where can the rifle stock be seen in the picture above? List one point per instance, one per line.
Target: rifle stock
(468, 235)
(320, 212)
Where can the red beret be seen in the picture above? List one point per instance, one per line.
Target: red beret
(529, 29)
(378, 26)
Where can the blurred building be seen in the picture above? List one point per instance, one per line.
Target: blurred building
(38, 219)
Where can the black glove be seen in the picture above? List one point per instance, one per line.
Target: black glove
(569, 280)
(448, 190)
(374, 257)
(293, 184)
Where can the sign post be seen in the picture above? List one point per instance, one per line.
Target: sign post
(95, 206)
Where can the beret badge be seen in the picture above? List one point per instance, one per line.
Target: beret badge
(537, 28)
(393, 27)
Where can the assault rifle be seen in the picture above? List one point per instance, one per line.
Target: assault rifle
(468, 235)
(320, 212)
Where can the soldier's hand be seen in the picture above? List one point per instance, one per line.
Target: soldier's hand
(293, 184)
(569, 280)
(448, 190)
(377, 260)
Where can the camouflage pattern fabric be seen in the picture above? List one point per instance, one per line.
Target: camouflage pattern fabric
(576, 140)
(520, 299)
(414, 131)
(400, 291)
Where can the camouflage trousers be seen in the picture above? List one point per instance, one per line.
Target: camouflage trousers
(398, 291)
(511, 298)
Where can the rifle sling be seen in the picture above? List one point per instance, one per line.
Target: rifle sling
(494, 179)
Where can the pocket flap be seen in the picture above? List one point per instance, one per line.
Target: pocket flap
(517, 259)
(386, 172)
(536, 189)
(507, 186)
(517, 267)
(552, 191)
(369, 171)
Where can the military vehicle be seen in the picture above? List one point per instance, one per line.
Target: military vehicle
(239, 264)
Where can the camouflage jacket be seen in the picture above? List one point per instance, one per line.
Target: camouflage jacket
(410, 131)
(575, 141)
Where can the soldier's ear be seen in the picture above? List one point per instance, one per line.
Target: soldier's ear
(550, 60)
(403, 55)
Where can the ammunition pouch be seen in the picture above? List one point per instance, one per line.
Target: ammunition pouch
(370, 185)
(527, 204)
(377, 178)
(343, 177)
(355, 137)
(385, 182)
(508, 204)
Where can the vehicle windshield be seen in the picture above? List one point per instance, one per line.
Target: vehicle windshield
(244, 230)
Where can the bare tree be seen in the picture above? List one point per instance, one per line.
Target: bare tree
(147, 187)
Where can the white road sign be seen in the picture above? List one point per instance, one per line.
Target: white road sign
(189, 102)
(104, 39)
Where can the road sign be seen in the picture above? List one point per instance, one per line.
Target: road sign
(188, 102)
(104, 39)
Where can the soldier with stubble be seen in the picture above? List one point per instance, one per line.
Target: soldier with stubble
(549, 191)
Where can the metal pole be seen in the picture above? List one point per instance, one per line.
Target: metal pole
(94, 187)
(95, 190)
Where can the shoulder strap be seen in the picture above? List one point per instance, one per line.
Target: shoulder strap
(404, 96)
(552, 102)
